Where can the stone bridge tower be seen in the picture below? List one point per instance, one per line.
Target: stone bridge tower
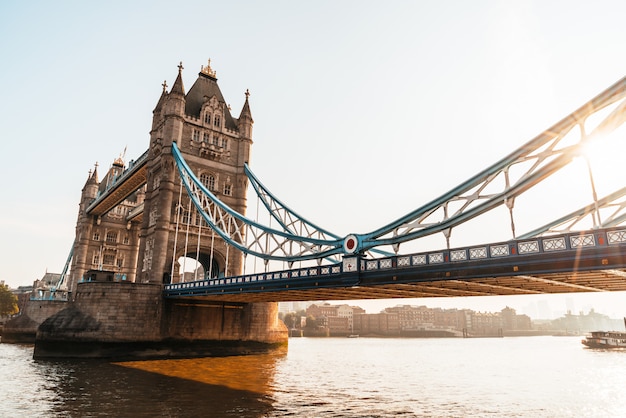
(130, 318)
(215, 145)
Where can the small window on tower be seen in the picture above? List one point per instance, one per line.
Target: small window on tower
(207, 118)
(227, 189)
(217, 121)
(196, 135)
(186, 216)
(109, 259)
(96, 235)
(112, 237)
(205, 137)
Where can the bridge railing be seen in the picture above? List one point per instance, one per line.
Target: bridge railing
(303, 272)
(577, 241)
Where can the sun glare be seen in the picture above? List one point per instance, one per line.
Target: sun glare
(604, 155)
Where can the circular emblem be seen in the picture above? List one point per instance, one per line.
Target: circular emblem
(350, 244)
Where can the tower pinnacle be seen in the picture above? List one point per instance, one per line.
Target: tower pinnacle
(208, 70)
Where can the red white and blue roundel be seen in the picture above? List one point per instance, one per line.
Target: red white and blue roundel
(350, 244)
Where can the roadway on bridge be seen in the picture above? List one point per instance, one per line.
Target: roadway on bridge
(590, 267)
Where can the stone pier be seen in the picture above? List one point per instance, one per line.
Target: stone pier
(132, 321)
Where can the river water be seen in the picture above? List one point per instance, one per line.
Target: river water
(331, 377)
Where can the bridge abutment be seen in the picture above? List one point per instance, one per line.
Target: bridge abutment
(134, 321)
(23, 328)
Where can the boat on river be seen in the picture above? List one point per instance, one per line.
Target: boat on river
(606, 339)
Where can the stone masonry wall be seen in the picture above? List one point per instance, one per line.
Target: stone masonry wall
(23, 328)
(108, 312)
(224, 322)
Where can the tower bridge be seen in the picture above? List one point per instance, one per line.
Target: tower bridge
(186, 197)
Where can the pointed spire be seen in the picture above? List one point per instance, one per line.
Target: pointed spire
(92, 178)
(178, 88)
(159, 105)
(244, 123)
(245, 112)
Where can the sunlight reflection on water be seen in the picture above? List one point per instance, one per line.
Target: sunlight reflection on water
(249, 373)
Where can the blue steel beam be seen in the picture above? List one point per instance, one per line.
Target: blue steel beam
(613, 203)
(245, 234)
(546, 155)
(300, 240)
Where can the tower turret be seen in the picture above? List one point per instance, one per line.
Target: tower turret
(174, 111)
(84, 229)
(245, 119)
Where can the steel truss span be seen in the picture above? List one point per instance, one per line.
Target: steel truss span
(588, 261)
(297, 239)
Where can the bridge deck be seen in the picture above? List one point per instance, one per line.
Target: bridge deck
(592, 261)
(130, 180)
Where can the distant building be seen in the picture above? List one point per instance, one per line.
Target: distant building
(383, 323)
(338, 319)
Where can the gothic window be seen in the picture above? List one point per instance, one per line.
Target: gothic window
(96, 235)
(207, 118)
(96, 258)
(206, 180)
(227, 189)
(217, 121)
(126, 240)
(152, 216)
(186, 216)
(147, 255)
(223, 142)
(205, 137)
(215, 140)
(111, 237)
(108, 259)
(156, 182)
(120, 262)
(196, 135)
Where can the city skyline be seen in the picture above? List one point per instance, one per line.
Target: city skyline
(355, 125)
(537, 309)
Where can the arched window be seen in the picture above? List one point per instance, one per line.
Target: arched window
(208, 181)
(207, 118)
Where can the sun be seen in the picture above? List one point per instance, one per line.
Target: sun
(604, 154)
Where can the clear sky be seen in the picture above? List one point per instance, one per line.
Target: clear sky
(364, 110)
